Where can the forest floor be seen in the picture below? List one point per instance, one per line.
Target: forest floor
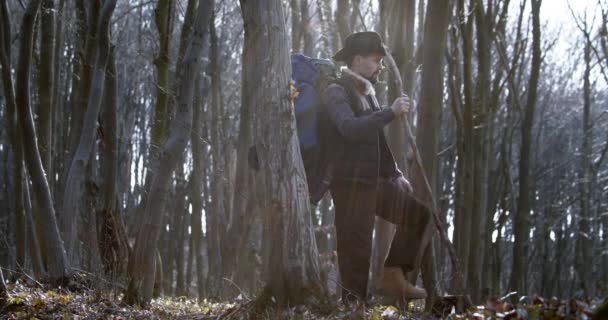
(30, 300)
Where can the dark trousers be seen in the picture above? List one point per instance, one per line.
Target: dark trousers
(356, 204)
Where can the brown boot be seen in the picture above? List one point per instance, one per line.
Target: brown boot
(394, 285)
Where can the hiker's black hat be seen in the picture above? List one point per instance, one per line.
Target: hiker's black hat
(361, 43)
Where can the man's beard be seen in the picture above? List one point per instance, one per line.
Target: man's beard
(373, 78)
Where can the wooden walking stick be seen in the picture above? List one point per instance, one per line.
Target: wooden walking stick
(456, 271)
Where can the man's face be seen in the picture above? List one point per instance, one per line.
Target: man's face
(368, 67)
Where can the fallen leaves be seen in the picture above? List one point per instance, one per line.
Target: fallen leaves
(36, 302)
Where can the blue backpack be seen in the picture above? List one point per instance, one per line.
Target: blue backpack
(310, 76)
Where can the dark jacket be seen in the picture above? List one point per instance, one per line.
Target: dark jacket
(353, 132)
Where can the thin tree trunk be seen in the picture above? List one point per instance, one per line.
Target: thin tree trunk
(88, 34)
(196, 185)
(73, 195)
(141, 263)
(57, 264)
(180, 227)
(306, 27)
(46, 84)
(33, 245)
(243, 218)
(517, 281)
(218, 217)
(583, 239)
(296, 29)
(60, 95)
(73, 110)
(401, 35)
(14, 136)
(465, 160)
(342, 14)
(429, 120)
(113, 243)
(482, 123)
(163, 20)
(3, 291)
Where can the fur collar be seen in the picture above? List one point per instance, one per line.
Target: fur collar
(363, 86)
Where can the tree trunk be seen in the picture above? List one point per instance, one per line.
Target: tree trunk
(296, 29)
(3, 291)
(517, 281)
(46, 84)
(218, 217)
(14, 134)
(74, 109)
(342, 14)
(113, 244)
(465, 158)
(162, 18)
(73, 195)
(33, 245)
(140, 265)
(401, 36)
(293, 261)
(57, 264)
(88, 36)
(307, 29)
(583, 239)
(196, 185)
(482, 124)
(242, 217)
(429, 122)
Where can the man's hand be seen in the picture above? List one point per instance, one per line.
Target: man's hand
(401, 105)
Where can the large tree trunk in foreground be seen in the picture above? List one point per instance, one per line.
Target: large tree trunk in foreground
(293, 265)
(141, 265)
(73, 194)
(57, 264)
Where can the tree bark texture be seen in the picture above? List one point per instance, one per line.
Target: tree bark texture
(293, 263)
(113, 245)
(46, 83)
(584, 244)
(57, 264)
(429, 120)
(142, 261)
(196, 186)
(73, 196)
(89, 16)
(14, 135)
(517, 281)
(401, 37)
(342, 14)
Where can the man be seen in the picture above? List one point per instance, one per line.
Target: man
(366, 180)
